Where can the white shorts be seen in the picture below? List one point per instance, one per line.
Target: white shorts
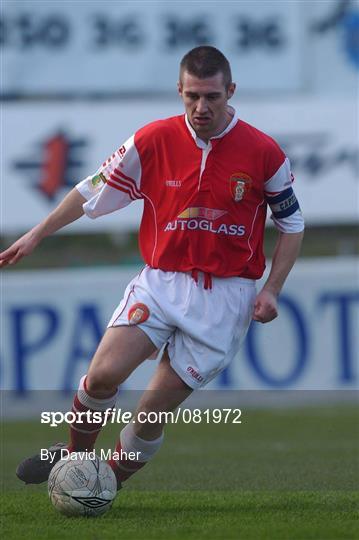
(204, 328)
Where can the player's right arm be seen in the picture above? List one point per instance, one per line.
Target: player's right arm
(114, 185)
(70, 209)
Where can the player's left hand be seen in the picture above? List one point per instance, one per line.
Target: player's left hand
(265, 307)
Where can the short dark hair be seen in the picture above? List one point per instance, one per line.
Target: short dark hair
(206, 61)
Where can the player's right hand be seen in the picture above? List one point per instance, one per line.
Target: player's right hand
(19, 249)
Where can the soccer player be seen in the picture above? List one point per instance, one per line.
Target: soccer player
(206, 178)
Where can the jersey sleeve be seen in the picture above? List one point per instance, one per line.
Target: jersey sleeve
(280, 196)
(115, 184)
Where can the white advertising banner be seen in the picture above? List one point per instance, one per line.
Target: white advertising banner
(48, 148)
(52, 322)
(331, 46)
(115, 46)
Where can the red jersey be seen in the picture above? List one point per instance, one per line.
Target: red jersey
(204, 204)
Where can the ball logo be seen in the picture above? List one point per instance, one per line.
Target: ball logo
(240, 184)
(92, 502)
(138, 313)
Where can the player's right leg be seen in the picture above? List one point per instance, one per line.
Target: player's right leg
(144, 436)
(121, 350)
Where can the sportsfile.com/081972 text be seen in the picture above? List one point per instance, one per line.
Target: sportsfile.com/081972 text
(118, 416)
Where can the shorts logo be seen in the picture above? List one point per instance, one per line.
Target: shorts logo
(239, 184)
(138, 313)
(195, 374)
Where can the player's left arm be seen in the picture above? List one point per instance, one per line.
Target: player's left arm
(285, 254)
(289, 221)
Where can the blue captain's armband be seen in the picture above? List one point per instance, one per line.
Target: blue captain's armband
(284, 204)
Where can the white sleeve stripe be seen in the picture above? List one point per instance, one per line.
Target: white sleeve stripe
(281, 180)
(116, 184)
(291, 224)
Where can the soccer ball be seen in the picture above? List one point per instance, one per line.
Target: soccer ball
(82, 487)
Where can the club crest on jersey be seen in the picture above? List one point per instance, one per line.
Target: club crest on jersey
(138, 313)
(239, 184)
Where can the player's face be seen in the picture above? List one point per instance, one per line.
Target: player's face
(205, 102)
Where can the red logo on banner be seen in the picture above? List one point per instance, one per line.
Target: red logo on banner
(54, 165)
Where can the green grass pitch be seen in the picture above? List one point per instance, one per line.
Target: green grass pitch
(281, 474)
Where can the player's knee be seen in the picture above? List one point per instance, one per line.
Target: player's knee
(100, 383)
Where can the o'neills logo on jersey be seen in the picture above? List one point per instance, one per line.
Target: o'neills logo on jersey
(195, 374)
(199, 218)
(174, 183)
(239, 184)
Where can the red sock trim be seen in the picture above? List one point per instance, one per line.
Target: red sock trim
(124, 468)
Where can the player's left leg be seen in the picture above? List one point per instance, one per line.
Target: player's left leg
(198, 349)
(165, 392)
(120, 351)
